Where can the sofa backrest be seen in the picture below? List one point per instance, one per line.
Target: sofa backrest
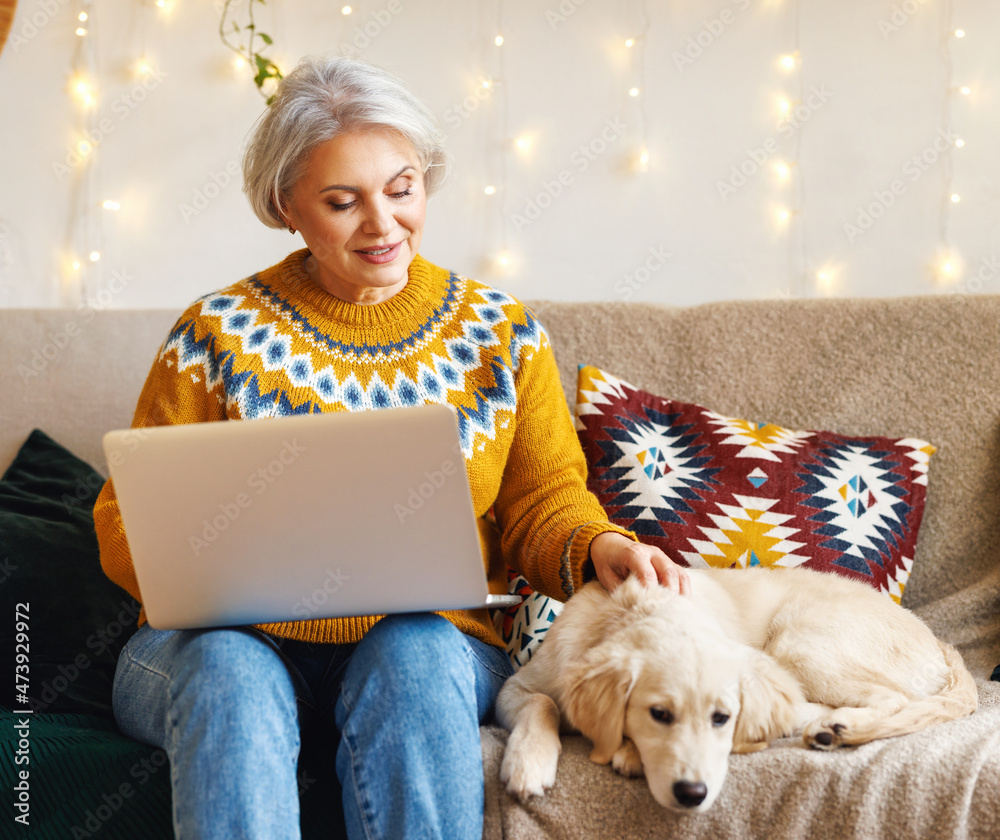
(926, 367)
(74, 374)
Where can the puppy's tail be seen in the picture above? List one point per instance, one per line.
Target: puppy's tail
(956, 699)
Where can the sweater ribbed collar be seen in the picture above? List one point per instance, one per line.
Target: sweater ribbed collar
(424, 293)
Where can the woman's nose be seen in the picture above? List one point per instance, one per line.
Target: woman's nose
(378, 218)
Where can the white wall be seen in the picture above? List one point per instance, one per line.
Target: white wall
(875, 105)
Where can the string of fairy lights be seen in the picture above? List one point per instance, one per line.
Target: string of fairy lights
(83, 249)
(636, 46)
(502, 263)
(82, 252)
(789, 172)
(948, 264)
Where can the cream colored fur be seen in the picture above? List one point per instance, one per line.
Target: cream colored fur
(670, 685)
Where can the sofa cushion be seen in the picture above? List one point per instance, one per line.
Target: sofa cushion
(523, 627)
(78, 620)
(88, 781)
(719, 491)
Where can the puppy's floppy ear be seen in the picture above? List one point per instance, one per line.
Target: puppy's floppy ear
(769, 696)
(595, 704)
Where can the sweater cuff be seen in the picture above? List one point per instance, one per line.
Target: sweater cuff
(576, 568)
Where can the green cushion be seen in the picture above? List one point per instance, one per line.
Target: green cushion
(78, 620)
(85, 780)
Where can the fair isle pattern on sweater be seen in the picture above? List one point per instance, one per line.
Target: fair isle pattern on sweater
(445, 363)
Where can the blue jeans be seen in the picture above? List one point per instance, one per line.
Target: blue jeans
(401, 710)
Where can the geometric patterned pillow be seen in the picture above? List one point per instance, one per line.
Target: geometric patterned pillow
(718, 491)
(523, 627)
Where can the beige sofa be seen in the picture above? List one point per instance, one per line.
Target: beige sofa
(926, 367)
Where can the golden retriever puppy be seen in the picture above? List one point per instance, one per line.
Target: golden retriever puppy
(670, 685)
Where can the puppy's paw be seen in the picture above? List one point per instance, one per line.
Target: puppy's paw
(824, 735)
(627, 760)
(529, 763)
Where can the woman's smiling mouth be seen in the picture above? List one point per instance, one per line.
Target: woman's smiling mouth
(377, 256)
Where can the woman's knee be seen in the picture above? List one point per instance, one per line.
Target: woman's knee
(405, 658)
(233, 666)
(413, 641)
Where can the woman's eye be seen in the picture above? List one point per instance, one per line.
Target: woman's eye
(720, 719)
(402, 194)
(339, 207)
(662, 715)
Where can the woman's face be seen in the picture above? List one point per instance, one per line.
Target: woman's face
(360, 208)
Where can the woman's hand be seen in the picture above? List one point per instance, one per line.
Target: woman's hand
(615, 557)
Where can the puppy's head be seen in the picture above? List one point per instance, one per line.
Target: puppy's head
(681, 716)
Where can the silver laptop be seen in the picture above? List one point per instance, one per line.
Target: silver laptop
(301, 517)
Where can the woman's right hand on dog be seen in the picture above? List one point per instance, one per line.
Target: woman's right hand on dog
(615, 557)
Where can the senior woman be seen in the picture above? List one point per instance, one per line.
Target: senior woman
(358, 320)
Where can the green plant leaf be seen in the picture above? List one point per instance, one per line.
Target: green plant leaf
(265, 38)
(265, 70)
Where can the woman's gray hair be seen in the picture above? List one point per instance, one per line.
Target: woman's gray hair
(320, 99)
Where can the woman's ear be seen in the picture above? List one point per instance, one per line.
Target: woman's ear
(769, 699)
(595, 705)
(280, 206)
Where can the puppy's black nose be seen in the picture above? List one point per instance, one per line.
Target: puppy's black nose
(690, 794)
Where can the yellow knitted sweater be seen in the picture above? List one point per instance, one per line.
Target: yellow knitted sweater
(277, 344)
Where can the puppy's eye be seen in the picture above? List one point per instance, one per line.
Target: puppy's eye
(719, 719)
(662, 715)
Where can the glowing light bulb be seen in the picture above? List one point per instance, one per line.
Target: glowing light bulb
(490, 190)
(959, 142)
(947, 267)
(788, 62)
(642, 161)
(824, 279)
(81, 31)
(346, 10)
(630, 42)
(239, 62)
(782, 170)
(82, 17)
(109, 204)
(523, 143)
(959, 33)
(782, 216)
(633, 91)
(95, 256)
(486, 84)
(955, 198)
(84, 148)
(143, 67)
(965, 90)
(498, 40)
(784, 106)
(83, 91)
